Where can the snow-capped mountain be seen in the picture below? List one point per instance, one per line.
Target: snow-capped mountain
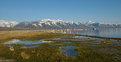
(51, 24)
(56, 24)
(8, 24)
(90, 22)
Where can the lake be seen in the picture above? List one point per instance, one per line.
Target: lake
(110, 32)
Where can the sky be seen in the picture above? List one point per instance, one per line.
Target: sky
(103, 11)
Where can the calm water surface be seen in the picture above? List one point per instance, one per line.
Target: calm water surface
(110, 32)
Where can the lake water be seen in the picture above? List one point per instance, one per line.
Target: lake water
(25, 43)
(110, 32)
(69, 50)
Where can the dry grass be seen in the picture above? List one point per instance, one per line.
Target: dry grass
(25, 34)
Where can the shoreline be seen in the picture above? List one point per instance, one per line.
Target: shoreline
(108, 38)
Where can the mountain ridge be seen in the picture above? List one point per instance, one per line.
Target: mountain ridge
(55, 24)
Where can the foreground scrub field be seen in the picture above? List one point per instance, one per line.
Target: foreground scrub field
(39, 46)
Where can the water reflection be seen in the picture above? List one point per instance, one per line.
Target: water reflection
(105, 32)
(69, 50)
(80, 37)
(25, 43)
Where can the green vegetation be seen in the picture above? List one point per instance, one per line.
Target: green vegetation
(89, 50)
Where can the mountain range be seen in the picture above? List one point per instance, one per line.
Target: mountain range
(55, 24)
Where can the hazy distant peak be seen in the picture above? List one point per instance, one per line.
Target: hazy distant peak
(5, 23)
(47, 20)
(91, 22)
